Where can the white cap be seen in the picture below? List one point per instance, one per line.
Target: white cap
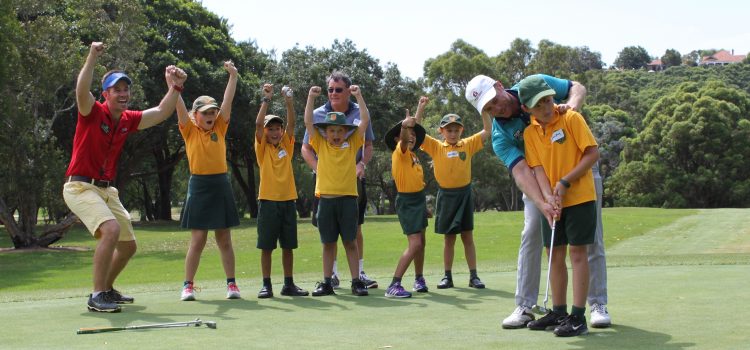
(479, 91)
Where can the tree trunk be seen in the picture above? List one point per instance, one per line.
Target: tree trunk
(247, 187)
(23, 236)
(148, 208)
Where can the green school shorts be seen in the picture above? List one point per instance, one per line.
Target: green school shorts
(277, 221)
(454, 210)
(577, 225)
(412, 211)
(337, 216)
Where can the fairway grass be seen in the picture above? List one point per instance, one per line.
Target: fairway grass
(674, 277)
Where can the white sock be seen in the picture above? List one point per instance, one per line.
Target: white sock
(95, 294)
(361, 265)
(335, 267)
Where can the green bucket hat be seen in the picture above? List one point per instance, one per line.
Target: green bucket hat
(334, 118)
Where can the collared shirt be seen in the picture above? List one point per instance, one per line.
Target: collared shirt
(337, 170)
(275, 164)
(507, 133)
(98, 142)
(452, 163)
(352, 117)
(558, 148)
(206, 149)
(406, 171)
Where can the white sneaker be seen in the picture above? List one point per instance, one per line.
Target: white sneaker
(188, 293)
(233, 292)
(519, 318)
(599, 316)
(335, 283)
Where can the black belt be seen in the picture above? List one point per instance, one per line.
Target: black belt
(95, 182)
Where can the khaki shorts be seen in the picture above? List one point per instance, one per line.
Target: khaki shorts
(95, 206)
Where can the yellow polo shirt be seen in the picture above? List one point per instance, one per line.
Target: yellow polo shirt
(406, 171)
(206, 150)
(337, 170)
(558, 148)
(452, 163)
(275, 164)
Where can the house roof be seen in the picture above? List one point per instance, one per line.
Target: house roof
(723, 56)
(656, 62)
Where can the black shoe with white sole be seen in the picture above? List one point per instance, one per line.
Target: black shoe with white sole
(572, 326)
(549, 321)
(102, 303)
(118, 297)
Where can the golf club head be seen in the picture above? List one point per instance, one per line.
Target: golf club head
(210, 324)
(540, 310)
(198, 322)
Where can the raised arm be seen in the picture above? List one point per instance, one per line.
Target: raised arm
(486, 126)
(182, 112)
(226, 104)
(175, 78)
(84, 98)
(420, 109)
(364, 114)
(309, 107)
(267, 91)
(576, 97)
(291, 116)
(409, 122)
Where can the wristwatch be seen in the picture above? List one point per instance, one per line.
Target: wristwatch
(265, 99)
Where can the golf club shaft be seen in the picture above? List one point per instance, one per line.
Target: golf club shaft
(99, 330)
(549, 263)
(93, 330)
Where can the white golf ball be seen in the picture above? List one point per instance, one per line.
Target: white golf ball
(287, 91)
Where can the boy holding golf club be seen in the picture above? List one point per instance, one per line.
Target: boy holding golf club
(277, 214)
(336, 185)
(454, 207)
(561, 150)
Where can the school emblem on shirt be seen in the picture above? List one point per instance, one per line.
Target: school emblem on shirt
(462, 155)
(214, 137)
(104, 127)
(558, 136)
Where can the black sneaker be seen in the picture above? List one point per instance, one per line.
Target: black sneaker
(322, 288)
(572, 326)
(265, 292)
(293, 291)
(475, 282)
(549, 321)
(102, 303)
(118, 297)
(446, 282)
(358, 288)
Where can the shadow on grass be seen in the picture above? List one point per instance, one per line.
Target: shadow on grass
(626, 337)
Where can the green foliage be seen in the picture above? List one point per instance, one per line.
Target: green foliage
(632, 57)
(671, 58)
(563, 61)
(694, 151)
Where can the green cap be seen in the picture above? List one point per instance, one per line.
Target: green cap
(204, 103)
(334, 118)
(450, 119)
(531, 89)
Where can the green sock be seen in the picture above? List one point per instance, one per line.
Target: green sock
(266, 281)
(288, 281)
(578, 311)
(560, 309)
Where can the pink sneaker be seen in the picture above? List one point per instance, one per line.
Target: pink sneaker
(233, 292)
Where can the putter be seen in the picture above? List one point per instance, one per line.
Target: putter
(197, 323)
(542, 310)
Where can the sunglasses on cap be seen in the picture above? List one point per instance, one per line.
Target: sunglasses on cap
(338, 90)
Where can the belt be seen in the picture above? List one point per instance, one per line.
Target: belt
(95, 182)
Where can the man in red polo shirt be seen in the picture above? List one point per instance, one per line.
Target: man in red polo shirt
(101, 132)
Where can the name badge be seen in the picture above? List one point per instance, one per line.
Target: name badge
(356, 122)
(558, 136)
(452, 154)
(345, 144)
(282, 153)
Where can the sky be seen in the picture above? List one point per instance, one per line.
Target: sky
(408, 32)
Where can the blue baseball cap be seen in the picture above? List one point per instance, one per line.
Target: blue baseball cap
(113, 78)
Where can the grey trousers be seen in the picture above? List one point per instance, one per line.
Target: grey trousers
(530, 254)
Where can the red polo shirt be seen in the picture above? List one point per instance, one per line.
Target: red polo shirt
(98, 142)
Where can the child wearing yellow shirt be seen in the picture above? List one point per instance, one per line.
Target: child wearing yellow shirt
(454, 207)
(210, 201)
(277, 214)
(336, 185)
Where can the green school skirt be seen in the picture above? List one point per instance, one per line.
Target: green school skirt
(412, 211)
(210, 203)
(454, 210)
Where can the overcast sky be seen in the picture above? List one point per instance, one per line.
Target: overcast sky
(408, 32)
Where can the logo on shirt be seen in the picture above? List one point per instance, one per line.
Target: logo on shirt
(558, 136)
(345, 144)
(214, 137)
(518, 135)
(124, 130)
(462, 155)
(104, 127)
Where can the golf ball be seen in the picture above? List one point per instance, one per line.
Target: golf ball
(287, 91)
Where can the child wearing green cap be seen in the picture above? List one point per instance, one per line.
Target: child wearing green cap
(210, 201)
(336, 185)
(454, 208)
(561, 150)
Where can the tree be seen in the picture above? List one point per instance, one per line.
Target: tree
(563, 61)
(693, 153)
(512, 63)
(691, 59)
(44, 52)
(632, 57)
(671, 58)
